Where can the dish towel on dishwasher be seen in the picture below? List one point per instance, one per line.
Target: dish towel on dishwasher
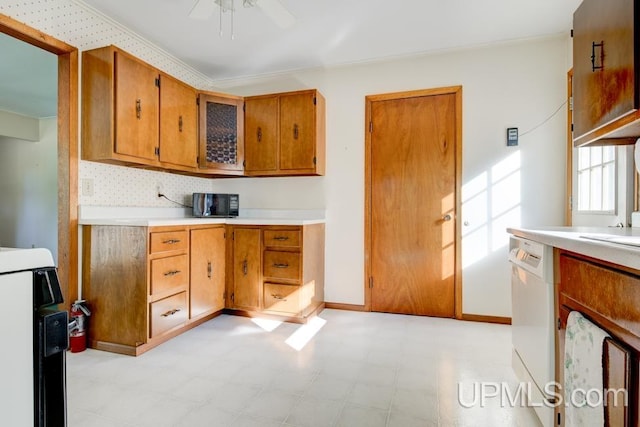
(583, 372)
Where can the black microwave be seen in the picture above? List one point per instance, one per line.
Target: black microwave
(215, 205)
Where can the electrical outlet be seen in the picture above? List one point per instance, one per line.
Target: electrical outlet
(159, 189)
(87, 187)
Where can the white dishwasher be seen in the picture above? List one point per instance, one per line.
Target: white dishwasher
(532, 321)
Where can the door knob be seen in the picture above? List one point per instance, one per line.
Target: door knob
(447, 217)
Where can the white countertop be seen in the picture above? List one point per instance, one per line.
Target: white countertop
(155, 217)
(596, 242)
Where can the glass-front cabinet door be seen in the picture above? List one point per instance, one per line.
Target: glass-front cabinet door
(221, 124)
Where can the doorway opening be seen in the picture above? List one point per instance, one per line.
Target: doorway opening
(67, 133)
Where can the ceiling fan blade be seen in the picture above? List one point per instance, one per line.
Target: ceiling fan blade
(203, 9)
(277, 12)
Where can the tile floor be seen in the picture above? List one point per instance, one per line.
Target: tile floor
(359, 369)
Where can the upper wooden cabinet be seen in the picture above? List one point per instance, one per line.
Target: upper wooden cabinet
(120, 107)
(605, 87)
(221, 125)
(285, 134)
(134, 114)
(178, 124)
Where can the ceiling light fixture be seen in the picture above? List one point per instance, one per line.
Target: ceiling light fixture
(228, 6)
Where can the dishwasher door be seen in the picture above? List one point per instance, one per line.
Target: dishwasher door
(532, 316)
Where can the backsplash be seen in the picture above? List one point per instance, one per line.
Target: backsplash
(126, 186)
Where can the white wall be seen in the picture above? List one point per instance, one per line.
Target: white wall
(29, 189)
(511, 85)
(518, 84)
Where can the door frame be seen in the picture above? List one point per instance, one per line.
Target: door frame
(450, 90)
(67, 149)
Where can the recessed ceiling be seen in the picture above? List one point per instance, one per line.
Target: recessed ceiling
(332, 32)
(28, 79)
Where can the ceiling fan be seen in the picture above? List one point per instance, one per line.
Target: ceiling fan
(274, 9)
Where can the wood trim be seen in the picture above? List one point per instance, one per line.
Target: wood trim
(67, 149)
(32, 36)
(486, 319)
(569, 171)
(457, 91)
(348, 307)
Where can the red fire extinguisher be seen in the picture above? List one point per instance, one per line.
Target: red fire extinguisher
(78, 330)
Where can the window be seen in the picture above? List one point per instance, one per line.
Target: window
(597, 179)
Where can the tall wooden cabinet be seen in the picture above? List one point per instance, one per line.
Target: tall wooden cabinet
(605, 79)
(285, 134)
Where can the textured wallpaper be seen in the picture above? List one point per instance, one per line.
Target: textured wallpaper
(85, 28)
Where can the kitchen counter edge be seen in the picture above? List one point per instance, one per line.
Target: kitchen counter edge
(569, 238)
(159, 222)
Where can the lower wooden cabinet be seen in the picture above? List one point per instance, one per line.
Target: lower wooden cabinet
(277, 270)
(207, 256)
(168, 313)
(245, 287)
(609, 296)
(146, 285)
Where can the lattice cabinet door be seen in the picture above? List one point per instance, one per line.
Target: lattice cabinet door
(221, 136)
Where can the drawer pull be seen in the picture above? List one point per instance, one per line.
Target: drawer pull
(278, 297)
(170, 312)
(172, 273)
(209, 269)
(281, 265)
(281, 238)
(171, 241)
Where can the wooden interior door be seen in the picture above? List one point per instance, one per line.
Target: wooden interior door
(413, 201)
(297, 131)
(179, 124)
(136, 105)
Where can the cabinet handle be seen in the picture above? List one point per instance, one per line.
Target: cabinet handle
(281, 265)
(245, 267)
(138, 108)
(280, 297)
(281, 238)
(595, 45)
(170, 312)
(259, 134)
(171, 241)
(172, 273)
(180, 124)
(296, 131)
(209, 269)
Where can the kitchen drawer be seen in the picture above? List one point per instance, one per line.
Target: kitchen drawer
(166, 241)
(282, 265)
(169, 273)
(285, 238)
(168, 313)
(282, 298)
